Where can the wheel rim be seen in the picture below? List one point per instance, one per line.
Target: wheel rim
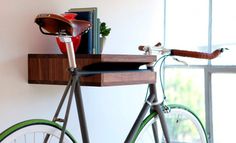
(34, 132)
(182, 125)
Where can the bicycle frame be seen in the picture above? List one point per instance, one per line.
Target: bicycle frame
(75, 89)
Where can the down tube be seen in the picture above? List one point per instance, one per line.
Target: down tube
(141, 116)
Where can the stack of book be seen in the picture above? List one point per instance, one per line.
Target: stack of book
(90, 41)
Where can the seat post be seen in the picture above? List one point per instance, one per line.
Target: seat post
(70, 50)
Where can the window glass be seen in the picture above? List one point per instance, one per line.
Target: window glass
(185, 86)
(187, 26)
(223, 102)
(224, 31)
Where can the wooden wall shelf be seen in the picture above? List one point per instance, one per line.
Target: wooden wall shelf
(52, 69)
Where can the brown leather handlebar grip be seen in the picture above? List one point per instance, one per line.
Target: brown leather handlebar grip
(193, 54)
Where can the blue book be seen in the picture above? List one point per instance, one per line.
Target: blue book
(89, 40)
(98, 49)
(85, 46)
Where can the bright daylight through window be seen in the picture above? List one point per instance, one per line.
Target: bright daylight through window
(204, 86)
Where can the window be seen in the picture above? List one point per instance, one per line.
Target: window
(203, 26)
(185, 87)
(186, 26)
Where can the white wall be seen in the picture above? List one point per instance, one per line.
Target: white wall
(109, 110)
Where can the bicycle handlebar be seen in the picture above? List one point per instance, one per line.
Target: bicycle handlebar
(182, 53)
(194, 54)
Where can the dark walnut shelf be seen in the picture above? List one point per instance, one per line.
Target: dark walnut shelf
(52, 69)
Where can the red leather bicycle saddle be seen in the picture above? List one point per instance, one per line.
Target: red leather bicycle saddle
(56, 24)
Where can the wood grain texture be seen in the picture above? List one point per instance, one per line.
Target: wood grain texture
(52, 69)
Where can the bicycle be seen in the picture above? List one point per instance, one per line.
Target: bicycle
(163, 124)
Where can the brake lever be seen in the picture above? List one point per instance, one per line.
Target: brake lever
(180, 61)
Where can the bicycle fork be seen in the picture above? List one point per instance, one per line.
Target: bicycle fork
(151, 103)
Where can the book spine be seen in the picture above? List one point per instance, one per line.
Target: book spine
(98, 37)
(89, 14)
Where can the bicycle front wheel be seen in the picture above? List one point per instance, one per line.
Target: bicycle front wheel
(183, 127)
(35, 131)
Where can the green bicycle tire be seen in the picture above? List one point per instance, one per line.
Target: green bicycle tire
(8, 133)
(153, 115)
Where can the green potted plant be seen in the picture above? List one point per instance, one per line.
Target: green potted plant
(104, 31)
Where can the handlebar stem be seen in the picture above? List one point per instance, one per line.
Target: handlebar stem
(149, 50)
